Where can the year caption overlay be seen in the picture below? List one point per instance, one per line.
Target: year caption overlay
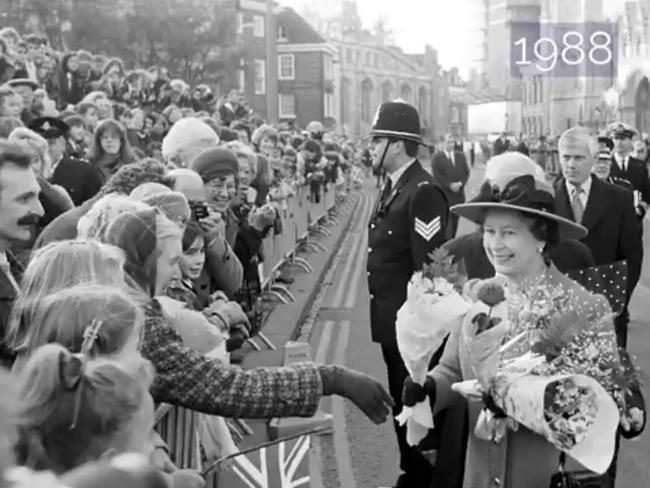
(564, 50)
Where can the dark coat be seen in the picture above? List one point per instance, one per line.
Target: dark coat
(81, 179)
(8, 295)
(614, 232)
(401, 234)
(636, 173)
(567, 255)
(446, 172)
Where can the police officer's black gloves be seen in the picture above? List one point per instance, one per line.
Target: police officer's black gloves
(413, 393)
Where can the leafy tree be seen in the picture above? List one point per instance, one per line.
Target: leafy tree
(194, 39)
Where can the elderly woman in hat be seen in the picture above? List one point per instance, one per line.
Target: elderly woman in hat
(515, 211)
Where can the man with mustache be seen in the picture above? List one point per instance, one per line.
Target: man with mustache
(20, 210)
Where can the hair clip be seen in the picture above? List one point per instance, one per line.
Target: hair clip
(91, 333)
(77, 366)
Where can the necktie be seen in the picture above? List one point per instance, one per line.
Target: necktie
(576, 204)
(388, 186)
(383, 196)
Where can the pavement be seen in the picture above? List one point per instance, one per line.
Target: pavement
(362, 455)
(332, 312)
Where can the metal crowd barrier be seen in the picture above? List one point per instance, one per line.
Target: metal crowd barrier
(301, 219)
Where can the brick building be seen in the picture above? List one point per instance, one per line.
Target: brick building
(258, 78)
(307, 73)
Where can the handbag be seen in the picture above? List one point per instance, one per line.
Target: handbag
(576, 479)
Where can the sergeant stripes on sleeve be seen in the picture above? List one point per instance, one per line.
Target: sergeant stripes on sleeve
(427, 230)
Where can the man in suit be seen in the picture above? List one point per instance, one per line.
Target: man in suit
(606, 210)
(408, 222)
(78, 177)
(20, 209)
(451, 172)
(627, 167)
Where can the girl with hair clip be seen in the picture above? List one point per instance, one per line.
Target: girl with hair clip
(57, 266)
(153, 247)
(73, 409)
(62, 317)
(57, 314)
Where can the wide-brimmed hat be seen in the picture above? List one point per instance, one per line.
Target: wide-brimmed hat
(514, 183)
(397, 120)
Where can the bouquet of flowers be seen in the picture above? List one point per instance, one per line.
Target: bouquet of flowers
(434, 306)
(557, 372)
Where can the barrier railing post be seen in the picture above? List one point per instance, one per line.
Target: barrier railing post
(300, 216)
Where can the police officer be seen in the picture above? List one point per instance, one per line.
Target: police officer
(627, 167)
(79, 177)
(408, 222)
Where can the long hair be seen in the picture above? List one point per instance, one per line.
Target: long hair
(108, 395)
(63, 316)
(96, 151)
(57, 266)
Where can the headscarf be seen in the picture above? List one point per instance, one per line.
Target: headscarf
(135, 234)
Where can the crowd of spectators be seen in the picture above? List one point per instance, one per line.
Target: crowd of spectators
(133, 208)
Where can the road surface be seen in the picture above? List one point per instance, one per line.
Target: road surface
(362, 455)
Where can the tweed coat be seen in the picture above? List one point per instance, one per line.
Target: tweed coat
(522, 459)
(187, 378)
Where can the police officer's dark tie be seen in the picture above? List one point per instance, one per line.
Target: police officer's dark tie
(385, 192)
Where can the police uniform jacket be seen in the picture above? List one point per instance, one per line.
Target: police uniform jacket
(636, 173)
(81, 179)
(402, 232)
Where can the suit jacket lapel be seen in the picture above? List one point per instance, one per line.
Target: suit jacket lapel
(562, 204)
(596, 205)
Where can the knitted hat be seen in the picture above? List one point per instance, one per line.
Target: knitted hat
(217, 161)
(172, 203)
(185, 132)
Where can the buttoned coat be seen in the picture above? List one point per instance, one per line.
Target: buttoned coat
(610, 218)
(522, 458)
(402, 232)
(445, 172)
(636, 173)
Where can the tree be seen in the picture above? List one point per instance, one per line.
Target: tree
(194, 39)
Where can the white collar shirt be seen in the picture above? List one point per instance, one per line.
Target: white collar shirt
(584, 195)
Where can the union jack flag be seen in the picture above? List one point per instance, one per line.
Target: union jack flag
(284, 464)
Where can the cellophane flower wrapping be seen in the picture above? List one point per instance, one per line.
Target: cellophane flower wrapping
(571, 388)
(432, 309)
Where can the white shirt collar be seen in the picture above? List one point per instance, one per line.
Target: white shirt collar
(586, 188)
(621, 159)
(395, 176)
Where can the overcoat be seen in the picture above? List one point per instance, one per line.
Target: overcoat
(522, 458)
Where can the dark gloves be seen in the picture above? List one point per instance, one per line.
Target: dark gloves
(413, 393)
(235, 341)
(488, 401)
(364, 391)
